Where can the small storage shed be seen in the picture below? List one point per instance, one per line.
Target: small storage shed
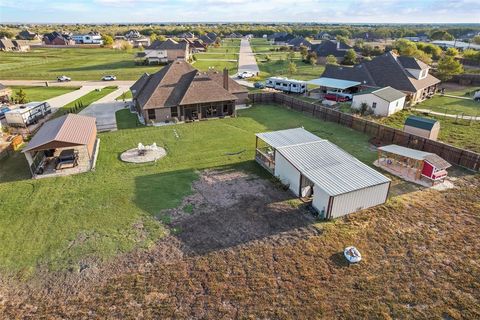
(336, 182)
(384, 102)
(63, 146)
(423, 127)
(413, 164)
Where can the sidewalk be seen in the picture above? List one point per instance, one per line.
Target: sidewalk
(447, 115)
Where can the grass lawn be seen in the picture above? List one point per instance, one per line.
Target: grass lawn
(280, 68)
(451, 105)
(463, 133)
(229, 56)
(56, 222)
(77, 63)
(42, 93)
(86, 100)
(218, 65)
(126, 95)
(126, 119)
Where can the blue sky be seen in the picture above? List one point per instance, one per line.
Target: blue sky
(348, 11)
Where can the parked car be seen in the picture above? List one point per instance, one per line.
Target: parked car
(259, 85)
(64, 79)
(245, 75)
(3, 109)
(109, 78)
(334, 97)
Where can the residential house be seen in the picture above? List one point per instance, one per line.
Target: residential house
(207, 40)
(88, 38)
(5, 93)
(6, 44)
(182, 92)
(407, 74)
(21, 45)
(235, 35)
(298, 42)
(58, 39)
(28, 35)
(382, 102)
(196, 45)
(222, 79)
(165, 51)
(133, 34)
(283, 40)
(212, 35)
(274, 35)
(326, 48)
(322, 36)
(186, 35)
(140, 42)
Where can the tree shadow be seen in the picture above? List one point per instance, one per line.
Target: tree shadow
(14, 167)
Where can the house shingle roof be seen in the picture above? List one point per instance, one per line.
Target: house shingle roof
(331, 47)
(233, 86)
(168, 44)
(412, 63)
(299, 41)
(178, 84)
(382, 71)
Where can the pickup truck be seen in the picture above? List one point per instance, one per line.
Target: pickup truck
(334, 97)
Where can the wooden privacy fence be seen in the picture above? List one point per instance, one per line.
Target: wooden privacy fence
(384, 134)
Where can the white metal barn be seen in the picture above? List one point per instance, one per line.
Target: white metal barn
(337, 182)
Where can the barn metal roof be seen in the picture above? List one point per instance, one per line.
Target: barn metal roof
(405, 152)
(287, 137)
(330, 168)
(334, 83)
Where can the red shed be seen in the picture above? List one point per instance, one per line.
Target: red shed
(434, 167)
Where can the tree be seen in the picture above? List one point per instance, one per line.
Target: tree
(331, 60)
(471, 54)
(431, 49)
(126, 46)
(350, 57)
(441, 35)
(153, 37)
(6, 34)
(448, 67)
(292, 68)
(342, 39)
(312, 58)
(107, 40)
(21, 96)
(476, 39)
(303, 52)
(452, 52)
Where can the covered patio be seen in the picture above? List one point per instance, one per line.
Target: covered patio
(63, 146)
(326, 85)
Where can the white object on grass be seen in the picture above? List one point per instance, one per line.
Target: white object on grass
(352, 254)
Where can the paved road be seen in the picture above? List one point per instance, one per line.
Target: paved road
(41, 83)
(104, 109)
(246, 58)
(58, 102)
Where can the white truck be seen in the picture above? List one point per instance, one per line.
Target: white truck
(27, 114)
(286, 85)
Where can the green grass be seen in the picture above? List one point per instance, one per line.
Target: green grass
(54, 222)
(77, 63)
(126, 119)
(218, 65)
(229, 56)
(462, 133)
(280, 68)
(42, 93)
(85, 100)
(450, 105)
(126, 95)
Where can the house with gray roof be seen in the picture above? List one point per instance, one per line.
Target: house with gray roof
(163, 52)
(406, 74)
(327, 48)
(182, 92)
(382, 102)
(297, 42)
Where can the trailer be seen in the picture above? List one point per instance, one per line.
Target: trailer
(27, 114)
(286, 85)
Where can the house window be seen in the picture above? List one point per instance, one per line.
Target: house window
(225, 108)
(151, 114)
(374, 105)
(174, 112)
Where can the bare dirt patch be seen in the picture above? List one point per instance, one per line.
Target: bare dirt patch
(420, 262)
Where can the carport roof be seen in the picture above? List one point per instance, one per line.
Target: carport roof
(334, 83)
(330, 168)
(68, 130)
(287, 137)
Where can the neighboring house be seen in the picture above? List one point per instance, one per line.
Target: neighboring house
(68, 145)
(21, 45)
(235, 35)
(276, 35)
(88, 38)
(297, 42)
(165, 51)
(421, 37)
(337, 182)
(383, 102)
(322, 36)
(58, 39)
(132, 34)
(5, 93)
(182, 92)
(196, 45)
(187, 35)
(407, 74)
(140, 42)
(207, 40)
(28, 35)
(283, 40)
(423, 127)
(6, 45)
(212, 35)
(330, 47)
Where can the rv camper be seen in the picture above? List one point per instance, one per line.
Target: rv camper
(27, 114)
(286, 85)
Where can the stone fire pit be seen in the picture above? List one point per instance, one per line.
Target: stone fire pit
(143, 154)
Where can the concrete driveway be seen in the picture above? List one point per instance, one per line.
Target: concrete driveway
(66, 98)
(246, 58)
(104, 109)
